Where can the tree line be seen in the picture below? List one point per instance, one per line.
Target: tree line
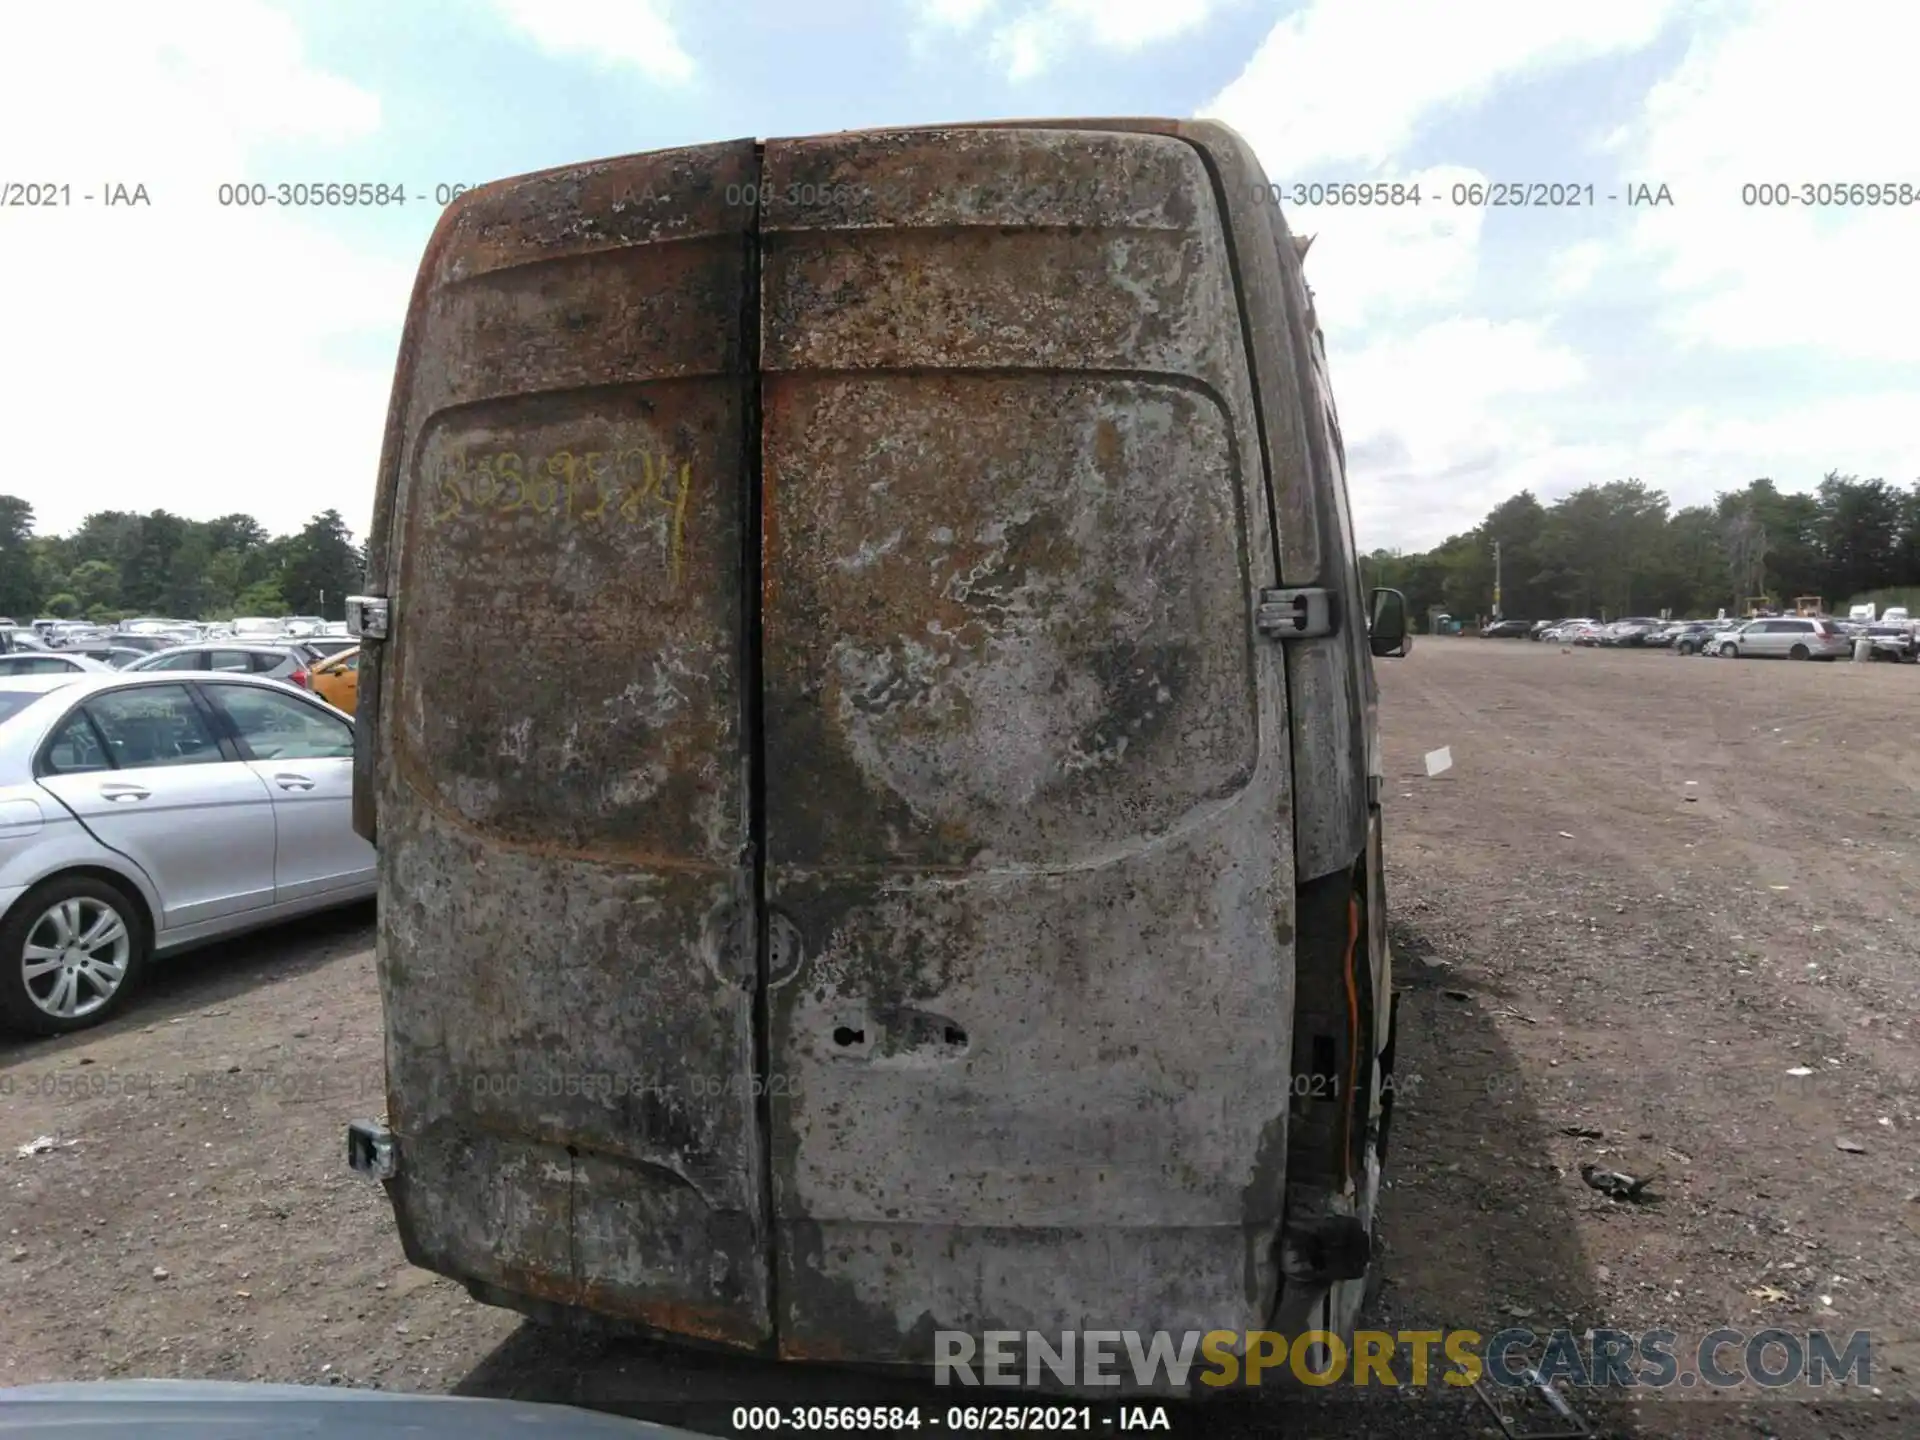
(1613, 549)
(119, 564)
(1619, 549)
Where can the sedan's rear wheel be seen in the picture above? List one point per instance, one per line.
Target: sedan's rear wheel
(70, 952)
(1800, 652)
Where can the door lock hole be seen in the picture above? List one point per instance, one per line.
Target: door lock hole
(955, 1036)
(846, 1035)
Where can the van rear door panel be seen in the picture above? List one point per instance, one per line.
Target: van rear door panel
(1028, 783)
(566, 938)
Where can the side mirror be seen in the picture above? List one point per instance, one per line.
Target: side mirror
(1387, 631)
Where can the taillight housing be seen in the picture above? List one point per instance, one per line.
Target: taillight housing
(302, 679)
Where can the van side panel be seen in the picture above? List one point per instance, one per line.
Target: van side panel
(565, 935)
(1029, 792)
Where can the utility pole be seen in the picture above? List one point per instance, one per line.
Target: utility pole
(1496, 579)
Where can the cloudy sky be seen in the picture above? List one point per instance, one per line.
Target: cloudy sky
(213, 359)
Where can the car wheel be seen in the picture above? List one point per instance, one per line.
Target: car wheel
(1800, 652)
(70, 952)
(1730, 651)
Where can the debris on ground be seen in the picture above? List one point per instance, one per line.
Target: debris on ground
(1439, 761)
(1852, 1147)
(41, 1145)
(1583, 1132)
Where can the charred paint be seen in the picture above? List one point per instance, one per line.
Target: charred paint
(1027, 773)
(564, 812)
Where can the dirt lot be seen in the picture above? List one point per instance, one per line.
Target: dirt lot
(1647, 890)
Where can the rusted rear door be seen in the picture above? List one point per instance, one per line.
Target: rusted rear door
(1028, 808)
(567, 921)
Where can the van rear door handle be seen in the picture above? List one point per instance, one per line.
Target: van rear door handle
(123, 791)
(293, 782)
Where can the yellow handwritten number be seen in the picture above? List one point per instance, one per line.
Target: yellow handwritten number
(595, 465)
(514, 473)
(449, 490)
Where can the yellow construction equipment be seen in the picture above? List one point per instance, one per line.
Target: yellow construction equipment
(1809, 605)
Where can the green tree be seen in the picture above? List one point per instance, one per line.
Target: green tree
(321, 566)
(96, 583)
(1860, 534)
(19, 582)
(263, 597)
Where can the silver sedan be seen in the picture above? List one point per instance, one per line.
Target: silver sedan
(141, 814)
(49, 662)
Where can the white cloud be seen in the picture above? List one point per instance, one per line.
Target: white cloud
(1444, 407)
(1447, 421)
(1033, 41)
(185, 355)
(1778, 91)
(1573, 271)
(1370, 261)
(955, 14)
(636, 33)
(1352, 81)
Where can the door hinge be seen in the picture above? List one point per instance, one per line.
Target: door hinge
(1296, 614)
(369, 615)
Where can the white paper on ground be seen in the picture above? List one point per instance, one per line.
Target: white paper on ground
(1439, 760)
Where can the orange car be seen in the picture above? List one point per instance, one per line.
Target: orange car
(336, 679)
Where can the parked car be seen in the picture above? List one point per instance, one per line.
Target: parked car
(117, 656)
(292, 663)
(336, 679)
(148, 641)
(66, 635)
(1899, 642)
(142, 813)
(1507, 630)
(23, 637)
(1633, 630)
(1784, 637)
(49, 662)
(1693, 637)
(1585, 632)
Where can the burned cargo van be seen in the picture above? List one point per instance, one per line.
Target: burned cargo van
(918, 867)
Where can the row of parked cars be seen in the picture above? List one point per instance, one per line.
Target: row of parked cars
(163, 785)
(320, 657)
(1893, 637)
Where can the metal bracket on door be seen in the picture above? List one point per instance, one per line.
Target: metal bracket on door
(369, 616)
(1297, 614)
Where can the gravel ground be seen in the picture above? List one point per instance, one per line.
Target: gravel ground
(1649, 889)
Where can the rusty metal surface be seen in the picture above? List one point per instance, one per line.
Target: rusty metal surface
(1312, 530)
(566, 918)
(1030, 777)
(1029, 771)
